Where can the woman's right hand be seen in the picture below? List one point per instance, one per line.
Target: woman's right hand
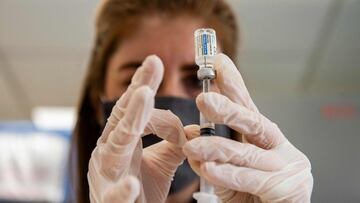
(119, 153)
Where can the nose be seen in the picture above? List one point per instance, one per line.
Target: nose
(171, 86)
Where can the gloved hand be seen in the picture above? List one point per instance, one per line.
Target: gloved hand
(119, 151)
(266, 167)
(125, 191)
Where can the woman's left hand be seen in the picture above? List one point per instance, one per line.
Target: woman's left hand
(266, 167)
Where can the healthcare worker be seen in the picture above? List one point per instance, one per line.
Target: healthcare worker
(144, 54)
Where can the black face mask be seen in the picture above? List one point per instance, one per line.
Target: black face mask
(188, 113)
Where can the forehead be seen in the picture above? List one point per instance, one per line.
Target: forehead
(169, 38)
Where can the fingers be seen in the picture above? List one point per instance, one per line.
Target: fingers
(231, 83)
(150, 73)
(205, 197)
(166, 156)
(233, 177)
(114, 157)
(288, 184)
(125, 191)
(160, 162)
(167, 126)
(224, 150)
(192, 131)
(158, 166)
(257, 129)
(132, 125)
(195, 165)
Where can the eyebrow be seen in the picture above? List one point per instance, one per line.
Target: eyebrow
(130, 65)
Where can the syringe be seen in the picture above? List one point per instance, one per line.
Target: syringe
(205, 51)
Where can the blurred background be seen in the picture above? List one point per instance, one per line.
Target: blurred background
(300, 61)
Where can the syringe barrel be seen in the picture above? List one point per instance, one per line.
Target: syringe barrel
(207, 128)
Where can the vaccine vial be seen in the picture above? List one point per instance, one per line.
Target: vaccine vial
(205, 51)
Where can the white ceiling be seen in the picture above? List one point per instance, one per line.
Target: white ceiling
(289, 47)
(302, 47)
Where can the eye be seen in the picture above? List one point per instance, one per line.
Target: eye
(126, 83)
(125, 77)
(191, 81)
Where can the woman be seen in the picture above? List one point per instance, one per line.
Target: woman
(127, 32)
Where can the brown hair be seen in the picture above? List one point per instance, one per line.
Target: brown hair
(116, 19)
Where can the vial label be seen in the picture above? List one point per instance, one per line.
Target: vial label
(205, 42)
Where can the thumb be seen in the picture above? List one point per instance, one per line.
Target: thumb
(166, 155)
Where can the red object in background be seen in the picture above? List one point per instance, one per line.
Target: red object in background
(339, 111)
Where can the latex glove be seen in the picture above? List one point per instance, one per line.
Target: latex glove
(119, 151)
(125, 191)
(266, 169)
